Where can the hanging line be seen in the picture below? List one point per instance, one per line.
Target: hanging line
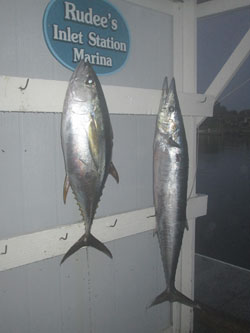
(196, 166)
(232, 91)
(89, 292)
(197, 137)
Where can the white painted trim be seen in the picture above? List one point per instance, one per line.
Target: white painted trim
(48, 96)
(163, 6)
(185, 67)
(29, 248)
(46, 244)
(231, 67)
(38, 96)
(214, 7)
(178, 46)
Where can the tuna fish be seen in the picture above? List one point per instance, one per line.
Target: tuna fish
(87, 141)
(170, 164)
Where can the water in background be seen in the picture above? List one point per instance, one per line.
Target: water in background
(224, 174)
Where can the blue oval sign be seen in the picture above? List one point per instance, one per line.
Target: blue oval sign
(92, 30)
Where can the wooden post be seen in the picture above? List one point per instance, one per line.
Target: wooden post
(185, 75)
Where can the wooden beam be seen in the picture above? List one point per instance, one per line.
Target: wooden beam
(230, 68)
(219, 6)
(29, 248)
(185, 63)
(48, 95)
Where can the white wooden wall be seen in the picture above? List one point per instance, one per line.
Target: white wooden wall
(47, 96)
(46, 244)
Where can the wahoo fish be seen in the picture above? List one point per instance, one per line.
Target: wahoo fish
(87, 141)
(170, 176)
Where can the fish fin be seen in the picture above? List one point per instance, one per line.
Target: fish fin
(65, 188)
(87, 240)
(174, 296)
(173, 143)
(93, 142)
(186, 225)
(113, 172)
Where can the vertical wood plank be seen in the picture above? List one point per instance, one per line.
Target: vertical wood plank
(44, 296)
(11, 190)
(144, 157)
(185, 73)
(14, 305)
(38, 171)
(114, 294)
(74, 284)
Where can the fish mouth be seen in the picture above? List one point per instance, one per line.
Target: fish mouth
(81, 69)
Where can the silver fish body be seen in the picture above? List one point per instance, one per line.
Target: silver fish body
(170, 165)
(87, 141)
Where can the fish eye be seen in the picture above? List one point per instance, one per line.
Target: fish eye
(171, 108)
(89, 81)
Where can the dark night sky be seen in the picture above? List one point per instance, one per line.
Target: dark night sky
(218, 35)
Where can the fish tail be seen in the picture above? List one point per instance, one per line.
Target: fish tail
(174, 296)
(87, 240)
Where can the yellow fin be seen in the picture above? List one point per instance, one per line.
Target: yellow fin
(93, 142)
(65, 188)
(113, 172)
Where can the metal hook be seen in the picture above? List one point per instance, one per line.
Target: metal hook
(26, 85)
(204, 100)
(149, 217)
(64, 238)
(113, 225)
(5, 250)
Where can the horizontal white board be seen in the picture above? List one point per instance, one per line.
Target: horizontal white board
(29, 248)
(36, 95)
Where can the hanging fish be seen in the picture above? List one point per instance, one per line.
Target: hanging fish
(170, 164)
(87, 141)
